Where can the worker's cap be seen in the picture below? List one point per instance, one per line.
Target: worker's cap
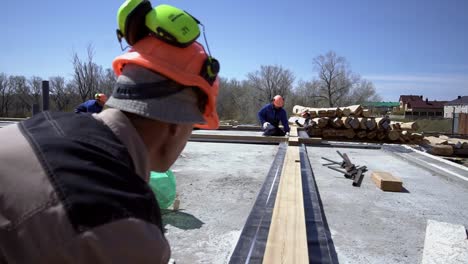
(145, 93)
(278, 101)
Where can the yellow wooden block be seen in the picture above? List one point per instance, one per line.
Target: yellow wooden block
(386, 181)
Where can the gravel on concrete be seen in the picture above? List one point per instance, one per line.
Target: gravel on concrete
(217, 185)
(372, 226)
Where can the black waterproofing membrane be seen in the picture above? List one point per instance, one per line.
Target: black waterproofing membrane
(252, 242)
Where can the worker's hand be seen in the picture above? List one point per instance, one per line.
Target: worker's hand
(265, 125)
(287, 134)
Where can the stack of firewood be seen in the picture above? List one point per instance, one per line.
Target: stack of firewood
(353, 122)
(446, 146)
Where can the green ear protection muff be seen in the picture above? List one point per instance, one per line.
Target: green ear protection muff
(131, 20)
(173, 25)
(137, 19)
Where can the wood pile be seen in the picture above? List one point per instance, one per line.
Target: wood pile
(446, 146)
(353, 122)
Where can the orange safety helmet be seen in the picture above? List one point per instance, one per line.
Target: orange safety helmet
(101, 97)
(182, 65)
(278, 101)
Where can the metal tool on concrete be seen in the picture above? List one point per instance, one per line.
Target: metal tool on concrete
(351, 171)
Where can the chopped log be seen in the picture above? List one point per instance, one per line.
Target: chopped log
(409, 126)
(383, 122)
(345, 111)
(313, 114)
(298, 109)
(355, 109)
(322, 122)
(354, 123)
(314, 132)
(346, 120)
(322, 113)
(336, 122)
(393, 135)
(461, 152)
(362, 123)
(371, 124)
(338, 133)
(381, 135)
(372, 134)
(436, 141)
(339, 112)
(366, 113)
(361, 134)
(441, 150)
(405, 136)
(395, 126)
(331, 113)
(416, 136)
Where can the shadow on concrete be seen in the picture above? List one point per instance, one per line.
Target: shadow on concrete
(404, 190)
(180, 220)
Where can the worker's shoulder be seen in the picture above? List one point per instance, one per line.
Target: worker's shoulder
(266, 107)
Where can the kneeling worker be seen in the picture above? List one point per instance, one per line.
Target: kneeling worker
(271, 115)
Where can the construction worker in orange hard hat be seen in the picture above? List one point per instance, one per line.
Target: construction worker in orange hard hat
(87, 175)
(271, 115)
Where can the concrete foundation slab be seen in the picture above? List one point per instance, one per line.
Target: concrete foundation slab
(445, 243)
(217, 185)
(372, 226)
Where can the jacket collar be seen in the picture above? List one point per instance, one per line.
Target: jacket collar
(128, 135)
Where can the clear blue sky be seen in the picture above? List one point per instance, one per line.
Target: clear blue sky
(403, 46)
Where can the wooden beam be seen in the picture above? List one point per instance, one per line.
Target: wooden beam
(293, 132)
(287, 238)
(269, 139)
(386, 181)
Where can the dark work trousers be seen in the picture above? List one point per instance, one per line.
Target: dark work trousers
(274, 131)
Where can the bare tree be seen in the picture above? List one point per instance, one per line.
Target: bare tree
(364, 91)
(108, 81)
(336, 79)
(230, 100)
(35, 88)
(23, 98)
(270, 81)
(307, 93)
(87, 74)
(61, 93)
(5, 94)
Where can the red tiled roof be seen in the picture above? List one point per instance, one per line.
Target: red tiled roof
(409, 98)
(426, 105)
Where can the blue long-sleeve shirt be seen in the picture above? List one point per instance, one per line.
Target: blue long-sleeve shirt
(273, 116)
(90, 106)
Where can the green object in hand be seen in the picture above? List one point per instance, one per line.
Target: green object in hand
(163, 185)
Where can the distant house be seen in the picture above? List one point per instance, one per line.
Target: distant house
(425, 109)
(459, 105)
(405, 99)
(380, 108)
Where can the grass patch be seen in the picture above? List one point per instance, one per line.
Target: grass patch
(433, 125)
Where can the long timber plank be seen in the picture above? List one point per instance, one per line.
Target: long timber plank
(287, 239)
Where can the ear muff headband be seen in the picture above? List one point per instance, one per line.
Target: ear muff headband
(173, 25)
(137, 19)
(131, 20)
